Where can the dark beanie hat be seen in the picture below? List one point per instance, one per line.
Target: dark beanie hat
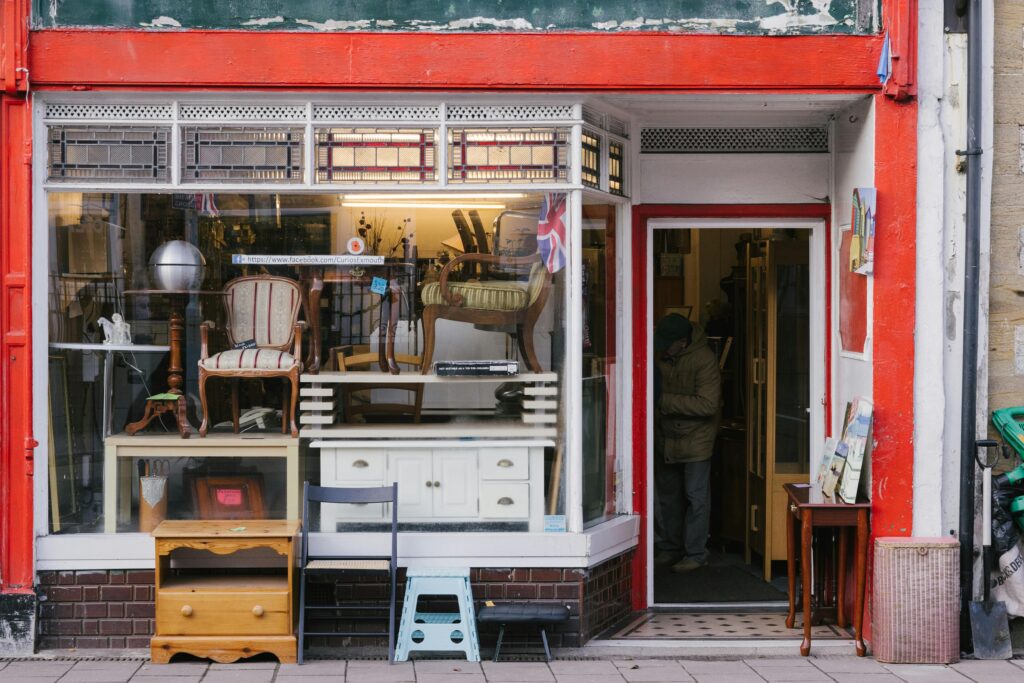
(671, 328)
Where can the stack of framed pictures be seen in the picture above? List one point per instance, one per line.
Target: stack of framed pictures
(843, 459)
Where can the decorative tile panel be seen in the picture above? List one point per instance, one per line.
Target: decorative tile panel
(590, 158)
(132, 154)
(242, 153)
(375, 155)
(508, 155)
(616, 168)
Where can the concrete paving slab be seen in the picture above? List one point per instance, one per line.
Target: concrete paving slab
(35, 669)
(170, 679)
(652, 670)
(728, 678)
(865, 678)
(308, 679)
(776, 662)
(319, 667)
(932, 673)
(101, 672)
(582, 668)
(517, 672)
(983, 671)
(234, 666)
(239, 676)
(447, 678)
(173, 669)
(781, 674)
(848, 665)
(380, 672)
(591, 678)
(715, 667)
(453, 667)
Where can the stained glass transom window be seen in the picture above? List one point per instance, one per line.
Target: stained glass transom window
(239, 153)
(122, 153)
(526, 155)
(616, 168)
(590, 159)
(375, 155)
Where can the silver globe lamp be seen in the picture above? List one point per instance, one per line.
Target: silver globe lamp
(177, 266)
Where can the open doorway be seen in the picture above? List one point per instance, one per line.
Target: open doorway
(737, 310)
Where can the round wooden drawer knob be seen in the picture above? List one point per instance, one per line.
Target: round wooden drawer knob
(186, 610)
(257, 611)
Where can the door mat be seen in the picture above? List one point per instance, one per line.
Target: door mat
(744, 626)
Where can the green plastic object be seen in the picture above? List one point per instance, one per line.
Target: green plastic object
(1008, 422)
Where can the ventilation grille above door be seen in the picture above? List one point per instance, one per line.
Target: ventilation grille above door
(733, 140)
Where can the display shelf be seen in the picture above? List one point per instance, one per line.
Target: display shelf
(335, 377)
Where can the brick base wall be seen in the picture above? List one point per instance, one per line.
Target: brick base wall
(114, 608)
(95, 609)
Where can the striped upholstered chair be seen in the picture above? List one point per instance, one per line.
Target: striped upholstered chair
(261, 310)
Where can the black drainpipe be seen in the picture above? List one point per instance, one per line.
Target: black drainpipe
(968, 436)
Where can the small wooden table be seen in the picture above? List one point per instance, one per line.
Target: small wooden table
(809, 509)
(233, 611)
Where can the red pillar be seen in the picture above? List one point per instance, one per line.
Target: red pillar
(17, 600)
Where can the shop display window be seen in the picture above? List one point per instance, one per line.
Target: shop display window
(466, 275)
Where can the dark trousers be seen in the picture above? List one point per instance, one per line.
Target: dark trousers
(683, 507)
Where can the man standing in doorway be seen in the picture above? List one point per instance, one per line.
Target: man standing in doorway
(688, 390)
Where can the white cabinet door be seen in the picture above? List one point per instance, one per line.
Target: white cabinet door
(455, 484)
(412, 469)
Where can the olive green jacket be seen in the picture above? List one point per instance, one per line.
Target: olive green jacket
(688, 411)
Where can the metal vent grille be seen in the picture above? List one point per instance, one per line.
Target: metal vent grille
(242, 112)
(232, 154)
(376, 112)
(111, 153)
(733, 140)
(593, 117)
(133, 112)
(526, 112)
(617, 127)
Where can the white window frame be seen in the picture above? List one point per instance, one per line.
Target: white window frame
(575, 548)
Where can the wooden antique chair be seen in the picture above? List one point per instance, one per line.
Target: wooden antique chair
(488, 302)
(263, 314)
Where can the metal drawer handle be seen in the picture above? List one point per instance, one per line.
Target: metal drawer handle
(504, 462)
(753, 518)
(360, 464)
(430, 484)
(257, 611)
(437, 484)
(505, 500)
(186, 610)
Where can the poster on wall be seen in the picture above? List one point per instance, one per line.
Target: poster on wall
(862, 246)
(853, 300)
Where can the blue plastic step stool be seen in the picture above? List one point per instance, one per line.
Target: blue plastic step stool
(438, 631)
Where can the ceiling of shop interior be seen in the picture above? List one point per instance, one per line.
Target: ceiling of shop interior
(731, 109)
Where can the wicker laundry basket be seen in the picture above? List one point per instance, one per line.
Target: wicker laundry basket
(915, 606)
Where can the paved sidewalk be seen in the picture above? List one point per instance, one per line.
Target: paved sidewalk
(833, 668)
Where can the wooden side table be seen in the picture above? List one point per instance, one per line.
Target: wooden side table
(809, 509)
(231, 611)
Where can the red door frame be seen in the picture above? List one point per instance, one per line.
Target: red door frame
(642, 213)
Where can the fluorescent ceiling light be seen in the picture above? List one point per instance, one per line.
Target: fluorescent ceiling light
(448, 196)
(419, 205)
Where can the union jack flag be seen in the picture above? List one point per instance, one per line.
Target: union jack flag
(551, 231)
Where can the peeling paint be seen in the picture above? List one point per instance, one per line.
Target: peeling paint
(161, 22)
(952, 306)
(335, 24)
(727, 16)
(267, 21)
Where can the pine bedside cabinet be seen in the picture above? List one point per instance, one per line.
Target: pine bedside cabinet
(225, 589)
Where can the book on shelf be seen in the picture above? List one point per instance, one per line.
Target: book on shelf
(476, 368)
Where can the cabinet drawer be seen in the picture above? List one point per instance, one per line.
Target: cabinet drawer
(215, 614)
(358, 466)
(504, 501)
(505, 463)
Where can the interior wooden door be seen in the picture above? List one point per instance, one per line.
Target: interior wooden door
(778, 368)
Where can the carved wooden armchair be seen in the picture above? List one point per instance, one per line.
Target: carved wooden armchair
(488, 302)
(262, 310)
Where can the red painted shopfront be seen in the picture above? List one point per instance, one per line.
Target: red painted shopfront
(136, 61)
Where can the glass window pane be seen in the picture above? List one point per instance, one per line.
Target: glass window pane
(526, 155)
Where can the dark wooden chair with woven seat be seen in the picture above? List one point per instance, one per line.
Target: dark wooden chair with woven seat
(511, 303)
(315, 565)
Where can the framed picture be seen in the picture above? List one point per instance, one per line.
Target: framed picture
(229, 496)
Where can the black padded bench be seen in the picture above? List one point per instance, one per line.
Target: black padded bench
(526, 614)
